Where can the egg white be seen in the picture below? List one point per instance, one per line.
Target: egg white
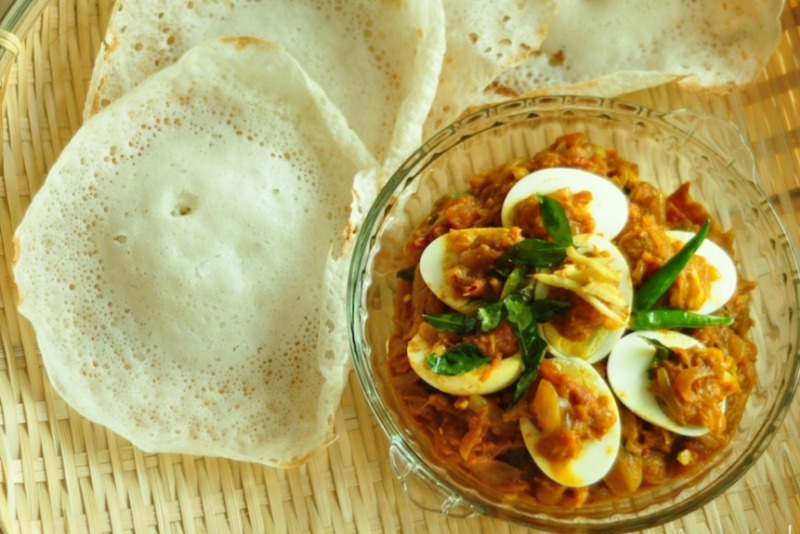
(480, 381)
(437, 258)
(596, 456)
(608, 206)
(627, 374)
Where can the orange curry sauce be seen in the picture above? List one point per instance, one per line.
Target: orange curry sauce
(479, 435)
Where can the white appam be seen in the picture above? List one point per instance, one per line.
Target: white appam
(609, 47)
(484, 39)
(377, 60)
(183, 263)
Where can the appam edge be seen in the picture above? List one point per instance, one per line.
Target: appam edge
(618, 46)
(377, 60)
(180, 294)
(484, 38)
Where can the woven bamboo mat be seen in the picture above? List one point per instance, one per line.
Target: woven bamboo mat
(61, 473)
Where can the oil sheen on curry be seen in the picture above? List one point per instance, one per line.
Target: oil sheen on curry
(566, 333)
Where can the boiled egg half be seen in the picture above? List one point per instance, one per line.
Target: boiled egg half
(608, 206)
(483, 380)
(722, 288)
(627, 372)
(443, 254)
(600, 275)
(596, 456)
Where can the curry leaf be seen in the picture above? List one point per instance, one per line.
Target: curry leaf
(531, 346)
(533, 349)
(406, 274)
(524, 312)
(661, 354)
(489, 316)
(545, 310)
(519, 313)
(456, 323)
(516, 279)
(533, 253)
(460, 359)
(555, 220)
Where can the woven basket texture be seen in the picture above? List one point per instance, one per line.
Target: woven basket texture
(61, 473)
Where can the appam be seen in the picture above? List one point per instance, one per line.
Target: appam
(378, 61)
(183, 264)
(484, 39)
(610, 47)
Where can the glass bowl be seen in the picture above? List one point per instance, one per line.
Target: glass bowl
(669, 148)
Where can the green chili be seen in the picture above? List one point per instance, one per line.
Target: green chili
(662, 279)
(663, 319)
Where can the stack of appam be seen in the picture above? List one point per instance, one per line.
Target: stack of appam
(184, 263)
